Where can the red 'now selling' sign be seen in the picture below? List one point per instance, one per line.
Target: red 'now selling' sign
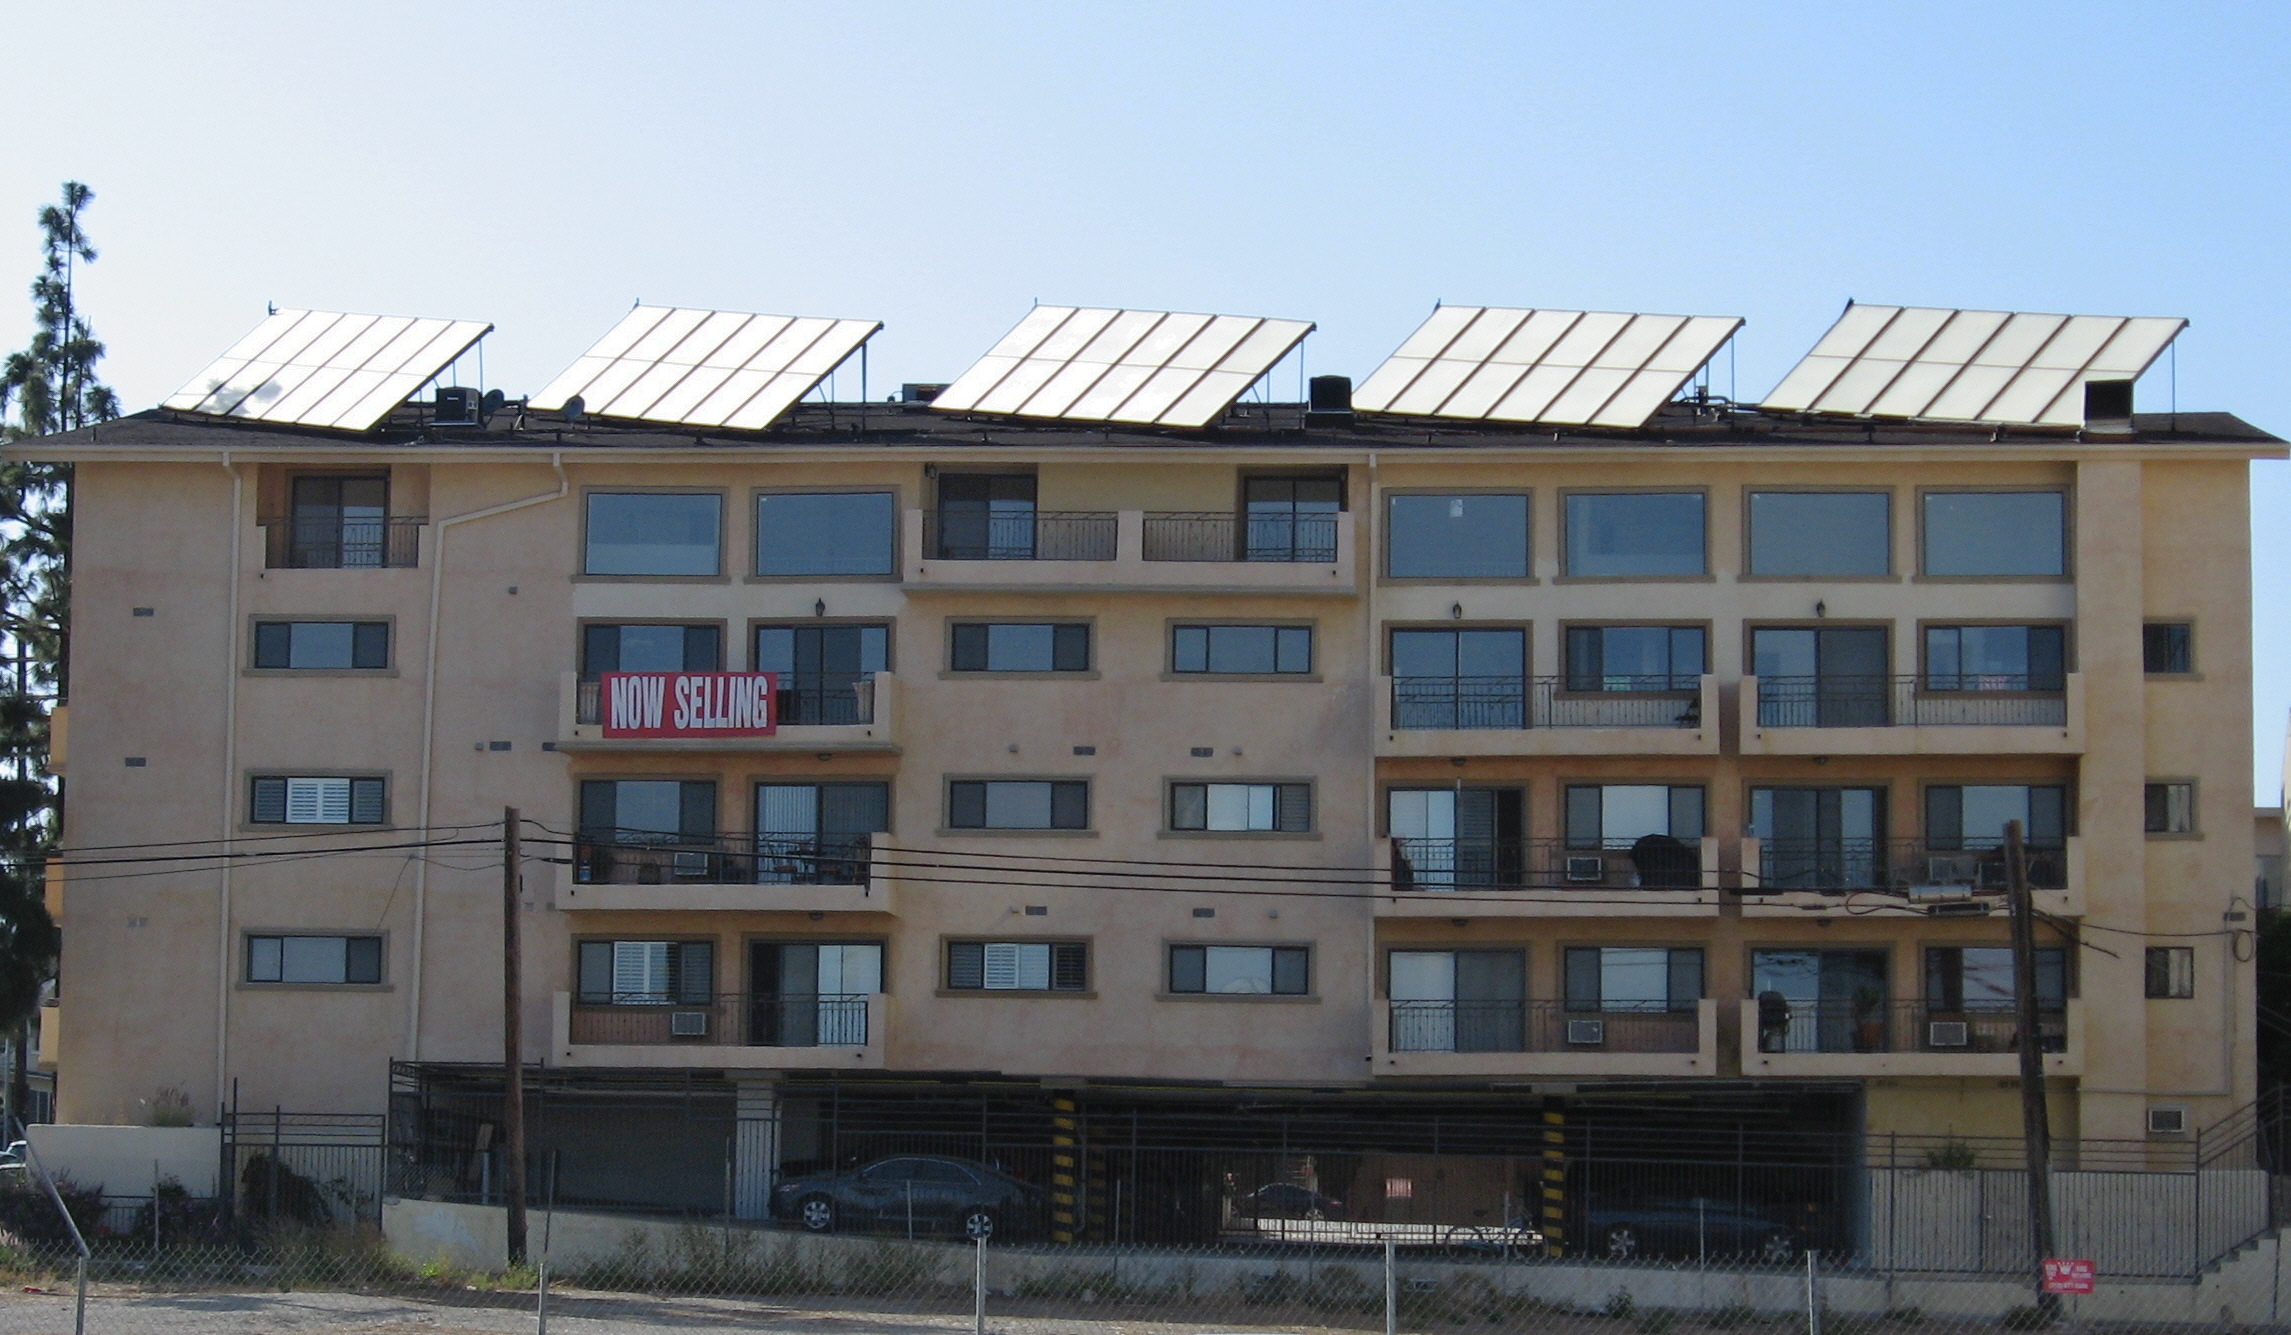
(2068, 1276)
(687, 704)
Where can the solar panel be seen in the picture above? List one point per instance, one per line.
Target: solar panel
(327, 369)
(1154, 368)
(1935, 364)
(706, 368)
(1559, 368)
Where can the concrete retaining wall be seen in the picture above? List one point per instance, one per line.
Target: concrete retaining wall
(124, 1160)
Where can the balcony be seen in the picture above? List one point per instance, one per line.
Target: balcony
(841, 1032)
(51, 1038)
(739, 873)
(1799, 878)
(342, 544)
(59, 737)
(1452, 878)
(827, 711)
(1539, 716)
(1901, 1038)
(1456, 1039)
(1991, 715)
(1129, 551)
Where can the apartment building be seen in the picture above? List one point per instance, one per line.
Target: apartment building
(1528, 733)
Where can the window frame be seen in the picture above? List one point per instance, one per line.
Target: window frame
(1932, 1005)
(1890, 575)
(1925, 673)
(1172, 625)
(1672, 1003)
(1087, 991)
(1085, 830)
(2065, 491)
(949, 672)
(673, 940)
(383, 777)
(2169, 973)
(756, 497)
(2195, 828)
(388, 622)
(1567, 573)
(1568, 786)
(1168, 990)
(581, 641)
(1170, 827)
(2187, 625)
(379, 983)
(1567, 676)
(1384, 573)
(724, 553)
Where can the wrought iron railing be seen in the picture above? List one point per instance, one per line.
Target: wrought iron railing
(1850, 1026)
(1533, 702)
(802, 699)
(627, 858)
(1214, 535)
(800, 1020)
(1656, 862)
(1035, 535)
(1888, 702)
(1835, 866)
(342, 544)
(1540, 1026)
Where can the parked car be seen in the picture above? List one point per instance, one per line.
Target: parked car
(1286, 1200)
(1684, 1228)
(930, 1193)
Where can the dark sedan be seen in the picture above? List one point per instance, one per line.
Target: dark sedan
(1286, 1200)
(1688, 1229)
(911, 1193)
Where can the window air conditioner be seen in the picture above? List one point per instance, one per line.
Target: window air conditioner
(1950, 870)
(692, 866)
(688, 1024)
(2167, 1121)
(1587, 868)
(1589, 1033)
(1947, 1034)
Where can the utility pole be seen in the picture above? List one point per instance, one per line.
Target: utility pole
(512, 1040)
(2036, 1129)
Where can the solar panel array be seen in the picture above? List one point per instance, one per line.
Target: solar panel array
(705, 368)
(1154, 368)
(1935, 364)
(327, 369)
(1557, 368)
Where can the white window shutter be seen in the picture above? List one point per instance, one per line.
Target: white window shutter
(640, 970)
(318, 801)
(1001, 965)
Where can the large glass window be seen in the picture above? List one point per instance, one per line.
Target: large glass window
(1821, 533)
(1635, 658)
(1619, 815)
(1457, 537)
(817, 833)
(1458, 1000)
(1284, 971)
(1238, 807)
(654, 533)
(1995, 658)
(1241, 650)
(1647, 534)
(1974, 816)
(826, 672)
(1459, 678)
(341, 523)
(1821, 1000)
(314, 959)
(316, 645)
(1290, 518)
(643, 648)
(1827, 677)
(826, 533)
(1996, 533)
(1633, 978)
(647, 973)
(2171, 808)
(646, 831)
(1019, 646)
(1018, 966)
(1018, 804)
(1980, 978)
(812, 993)
(986, 517)
(1828, 839)
(1445, 838)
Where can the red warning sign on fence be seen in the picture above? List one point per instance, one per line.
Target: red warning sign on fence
(2068, 1276)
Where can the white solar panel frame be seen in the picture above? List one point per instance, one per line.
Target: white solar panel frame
(1547, 367)
(1936, 364)
(1100, 364)
(326, 368)
(704, 368)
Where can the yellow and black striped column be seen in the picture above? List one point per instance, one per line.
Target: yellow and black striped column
(1063, 1124)
(1554, 1179)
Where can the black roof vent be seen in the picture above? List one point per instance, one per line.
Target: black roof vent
(912, 393)
(2108, 404)
(1328, 401)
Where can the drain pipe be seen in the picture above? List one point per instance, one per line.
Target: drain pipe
(230, 786)
(429, 727)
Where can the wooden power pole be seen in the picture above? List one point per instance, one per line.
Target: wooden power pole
(512, 1040)
(2036, 1128)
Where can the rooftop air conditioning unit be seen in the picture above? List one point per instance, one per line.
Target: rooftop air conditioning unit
(920, 393)
(456, 406)
(2167, 1121)
(1947, 1034)
(688, 1024)
(1592, 868)
(1587, 1033)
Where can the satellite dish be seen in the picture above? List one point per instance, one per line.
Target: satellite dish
(574, 407)
(489, 405)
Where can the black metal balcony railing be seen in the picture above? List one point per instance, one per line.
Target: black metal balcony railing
(1036, 535)
(821, 1020)
(1656, 862)
(1532, 702)
(803, 699)
(1836, 866)
(1890, 702)
(1539, 1026)
(342, 544)
(764, 859)
(1898, 1026)
(1220, 536)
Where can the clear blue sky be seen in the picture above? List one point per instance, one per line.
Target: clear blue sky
(941, 166)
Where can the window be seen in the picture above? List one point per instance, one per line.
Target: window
(1280, 971)
(634, 648)
(654, 533)
(648, 811)
(1995, 658)
(1290, 518)
(826, 533)
(1018, 804)
(1635, 534)
(341, 523)
(1018, 966)
(826, 673)
(817, 833)
(2171, 972)
(1974, 815)
(1827, 677)
(314, 959)
(2168, 647)
(1820, 1000)
(1020, 646)
(1241, 650)
(312, 645)
(1821, 533)
(1458, 1000)
(1629, 978)
(1444, 838)
(1457, 537)
(1286, 807)
(284, 800)
(1459, 679)
(1996, 533)
(1635, 658)
(811, 993)
(1827, 839)
(647, 973)
(986, 517)
(1655, 829)
(1980, 978)
(2171, 808)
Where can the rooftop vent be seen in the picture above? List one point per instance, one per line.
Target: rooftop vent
(1329, 401)
(919, 393)
(2108, 406)
(457, 405)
